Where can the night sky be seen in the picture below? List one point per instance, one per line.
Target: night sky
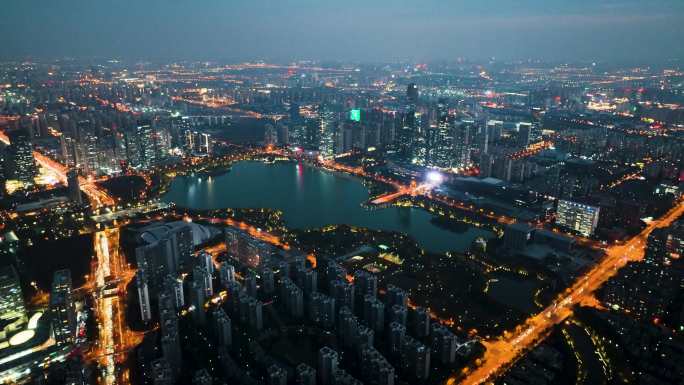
(358, 30)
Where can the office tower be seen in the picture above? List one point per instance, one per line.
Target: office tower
(365, 283)
(277, 375)
(202, 377)
(19, 163)
(222, 328)
(162, 373)
(267, 280)
(415, 358)
(250, 284)
(343, 293)
(444, 344)
(397, 313)
(62, 307)
(305, 374)
(578, 217)
(327, 365)
(517, 236)
(395, 296)
(292, 298)
(146, 142)
(226, 274)
(397, 332)
(143, 297)
(374, 313)
(203, 277)
(74, 187)
(12, 304)
(420, 320)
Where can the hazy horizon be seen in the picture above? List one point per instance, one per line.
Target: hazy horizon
(378, 31)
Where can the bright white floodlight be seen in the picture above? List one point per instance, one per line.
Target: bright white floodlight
(435, 177)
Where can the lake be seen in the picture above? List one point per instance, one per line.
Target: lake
(311, 198)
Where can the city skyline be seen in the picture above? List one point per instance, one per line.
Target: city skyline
(342, 193)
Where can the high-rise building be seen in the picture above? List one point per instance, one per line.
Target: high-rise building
(143, 297)
(222, 328)
(202, 377)
(420, 320)
(397, 332)
(374, 313)
(365, 283)
(12, 305)
(19, 162)
(577, 217)
(277, 375)
(267, 280)
(415, 358)
(328, 361)
(305, 374)
(462, 144)
(398, 313)
(162, 373)
(292, 298)
(328, 132)
(226, 274)
(412, 93)
(444, 344)
(62, 307)
(517, 236)
(74, 187)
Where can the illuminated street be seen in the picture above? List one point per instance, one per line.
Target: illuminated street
(504, 351)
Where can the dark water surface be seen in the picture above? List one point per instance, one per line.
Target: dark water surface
(311, 198)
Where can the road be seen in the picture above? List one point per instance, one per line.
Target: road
(111, 274)
(98, 198)
(503, 352)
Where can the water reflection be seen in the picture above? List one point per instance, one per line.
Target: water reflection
(311, 198)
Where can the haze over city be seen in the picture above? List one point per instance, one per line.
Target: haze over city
(377, 31)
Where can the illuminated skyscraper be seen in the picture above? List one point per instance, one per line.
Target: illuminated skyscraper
(19, 162)
(462, 132)
(62, 307)
(328, 127)
(577, 217)
(12, 304)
